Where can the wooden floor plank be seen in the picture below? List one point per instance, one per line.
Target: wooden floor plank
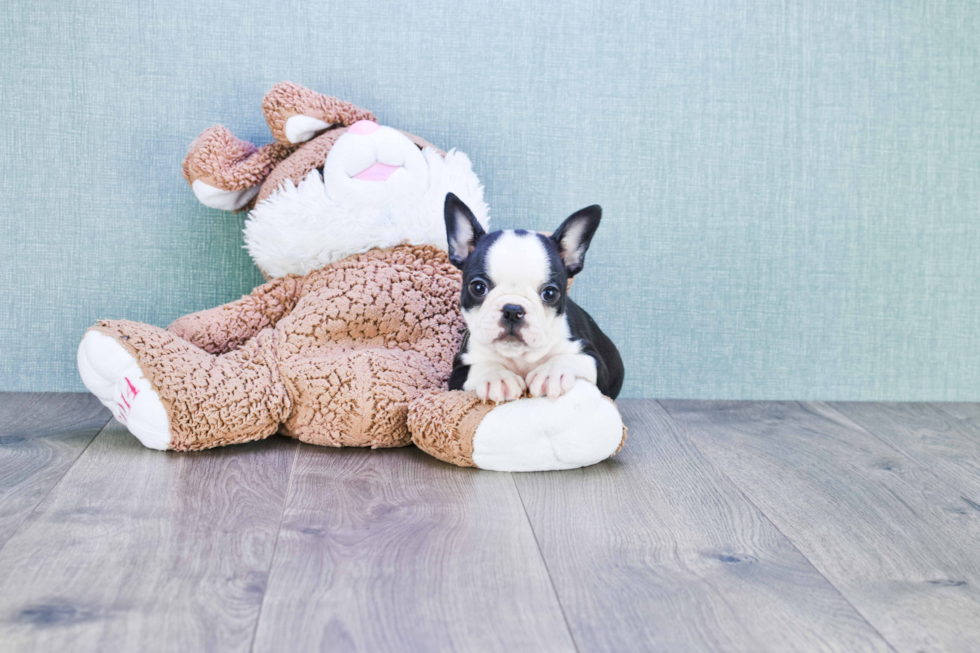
(967, 412)
(655, 550)
(141, 550)
(897, 542)
(929, 435)
(391, 550)
(41, 436)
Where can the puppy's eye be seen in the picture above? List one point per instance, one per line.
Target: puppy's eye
(478, 288)
(549, 295)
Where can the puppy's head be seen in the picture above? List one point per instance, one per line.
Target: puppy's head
(515, 281)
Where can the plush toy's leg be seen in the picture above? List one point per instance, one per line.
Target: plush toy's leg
(173, 395)
(295, 113)
(579, 428)
(226, 172)
(356, 398)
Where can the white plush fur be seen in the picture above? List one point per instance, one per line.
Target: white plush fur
(578, 429)
(224, 200)
(113, 375)
(330, 217)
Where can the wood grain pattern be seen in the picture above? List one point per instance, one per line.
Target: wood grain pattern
(139, 550)
(41, 435)
(656, 550)
(391, 550)
(929, 435)
(897, 542)
(721, 526)
(967, 412)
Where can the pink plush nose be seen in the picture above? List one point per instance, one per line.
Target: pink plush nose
(364, 127)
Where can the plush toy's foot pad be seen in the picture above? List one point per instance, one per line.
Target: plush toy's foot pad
(113, 375)
(580, 428)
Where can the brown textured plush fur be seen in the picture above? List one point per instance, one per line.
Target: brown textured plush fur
(332, 358)
(219, 159)
(443, 424)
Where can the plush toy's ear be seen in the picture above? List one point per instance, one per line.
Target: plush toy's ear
(574, 236)
(462, 230)
(226, 172)
(296, 114)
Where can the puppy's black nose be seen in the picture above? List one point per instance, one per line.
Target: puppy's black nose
(513, 313)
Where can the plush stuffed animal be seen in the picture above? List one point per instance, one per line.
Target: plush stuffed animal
(351, 341)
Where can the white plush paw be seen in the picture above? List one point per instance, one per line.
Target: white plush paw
(496, 384)
(113, 375)
(579, 428)
(223, 200)
(550, 380)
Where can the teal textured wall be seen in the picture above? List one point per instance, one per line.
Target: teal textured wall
(791, 189)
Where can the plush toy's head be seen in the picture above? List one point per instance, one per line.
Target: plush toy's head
(335, 184)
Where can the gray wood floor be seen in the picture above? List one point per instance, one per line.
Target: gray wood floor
(745, 526)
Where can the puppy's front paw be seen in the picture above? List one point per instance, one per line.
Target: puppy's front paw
(551, 380)
(496, 384)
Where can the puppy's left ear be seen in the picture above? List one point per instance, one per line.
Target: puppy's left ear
(462, 230)
(574, 235)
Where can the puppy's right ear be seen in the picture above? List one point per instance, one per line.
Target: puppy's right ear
(574, 235)
(462, 230)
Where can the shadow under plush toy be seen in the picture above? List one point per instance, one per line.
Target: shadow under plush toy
(352, 339)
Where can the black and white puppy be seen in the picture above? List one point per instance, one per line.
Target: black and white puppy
(523, 332)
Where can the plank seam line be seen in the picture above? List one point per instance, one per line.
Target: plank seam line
(275, 546)
(551, 580)
(752, 503)
(41, 501)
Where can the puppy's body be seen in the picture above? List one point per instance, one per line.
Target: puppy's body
(523, 332)
(585, 338)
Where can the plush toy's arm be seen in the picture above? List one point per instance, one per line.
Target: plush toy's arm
(528, 435)
(225, 328)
